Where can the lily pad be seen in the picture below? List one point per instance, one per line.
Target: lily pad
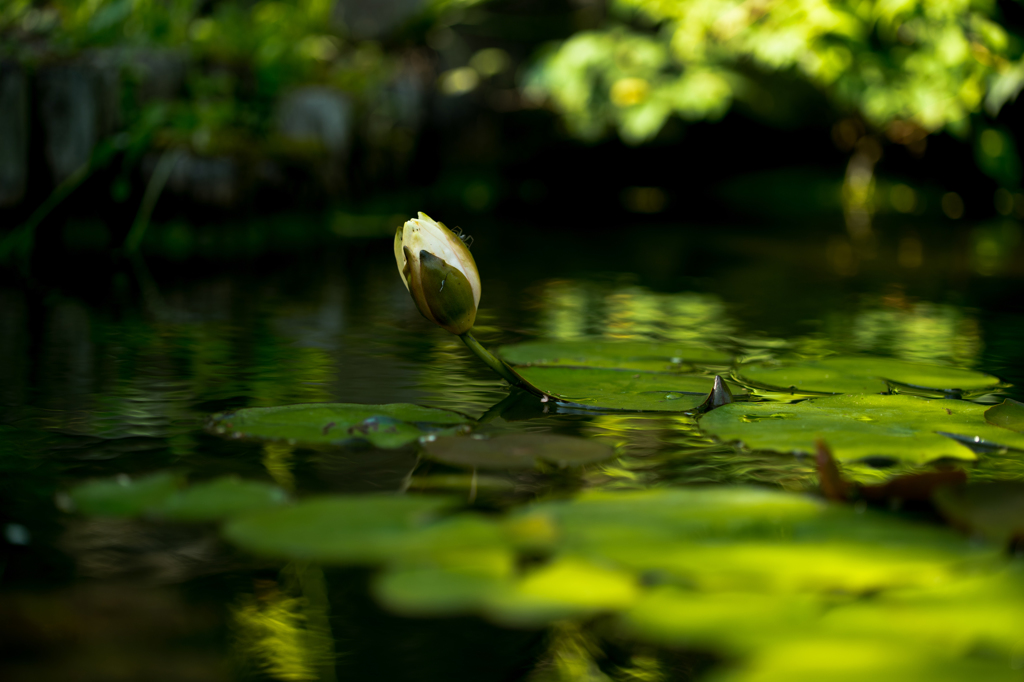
(901, 427)
(729, 621)
(750, 539)
(611, 389)
(566, 587)
(218, 499)
(163, 495)
(454, 583)
(385, 426)
(626, 355)
(124, 496)
(356, 529)
(517, 451)
(853, 659)
(1009, 414)
(979, 611)
(855, 374)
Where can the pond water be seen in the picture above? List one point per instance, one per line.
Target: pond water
(115, 372)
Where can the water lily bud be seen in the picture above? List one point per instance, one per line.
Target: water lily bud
(438, 270)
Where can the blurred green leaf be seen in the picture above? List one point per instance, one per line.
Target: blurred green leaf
(217, 499)
(356, 529)
(124, 496)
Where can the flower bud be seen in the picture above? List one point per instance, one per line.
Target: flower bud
(438, 270)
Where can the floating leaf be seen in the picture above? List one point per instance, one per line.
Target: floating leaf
(855, 659)
(855, 374)
(732, 621)
(385, 426)
(901, 427)
(124, 496)
(1009, 414)
(742, 538)
(517, 451)
(440, 591)
(218, 499)
(612, 389)
(626, 355)
(356, 529)
(994, 509)
(980, 611)
(566, 587)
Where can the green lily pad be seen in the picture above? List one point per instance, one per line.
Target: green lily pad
(517, 450)
(124, 496)
(627, 355)
(902, 427)
(385, 426)
(994, 509)
(567, 587)
(981, 611)
(855, 659)
(163, 495)
(217, 499)
(611, 389)
(459, 583)
(751, 539)
(564, 588)
(356, 529)
(722, 621)
(854, 374)
(1009, 414)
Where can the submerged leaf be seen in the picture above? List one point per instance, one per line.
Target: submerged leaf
(517, 451)
(1009, 414)
(993, 509)
(385, 426)
(856, 374)
(611, 389)
(900, 427)
(628, 355)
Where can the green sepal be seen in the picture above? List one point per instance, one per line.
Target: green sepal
(447, 293)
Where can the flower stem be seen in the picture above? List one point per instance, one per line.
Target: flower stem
(502, 369)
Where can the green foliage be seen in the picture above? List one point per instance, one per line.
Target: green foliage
(926, 63)
(859, 426)
(855, 374)
(386, 426)
(1009, 414)
(163, 495)
(614, 389)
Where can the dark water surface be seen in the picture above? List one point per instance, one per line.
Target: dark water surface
(112, 368)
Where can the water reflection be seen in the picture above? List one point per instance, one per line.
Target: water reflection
(576, 309)
(283, 628)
